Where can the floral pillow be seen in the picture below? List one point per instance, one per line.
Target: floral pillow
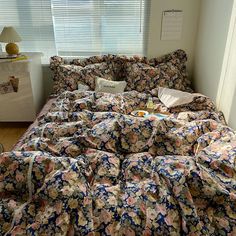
(168, 71)
(142, 77)
(89, 73)
(67, 75)
(140, 73)
(66, 78)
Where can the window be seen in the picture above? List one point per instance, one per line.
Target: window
(78, 27)
(88, 27)
(32, 19)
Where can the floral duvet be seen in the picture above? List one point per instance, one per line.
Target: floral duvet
(90, 168)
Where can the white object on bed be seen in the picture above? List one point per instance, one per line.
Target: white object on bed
(107, 86)
(172, 98)
(83, 87)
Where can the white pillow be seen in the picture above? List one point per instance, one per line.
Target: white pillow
(172, 98)
(83, 87)
(107, 86)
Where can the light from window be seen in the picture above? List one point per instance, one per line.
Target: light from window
(78, 27)
(91, 27)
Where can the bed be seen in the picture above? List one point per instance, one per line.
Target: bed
(88, 167)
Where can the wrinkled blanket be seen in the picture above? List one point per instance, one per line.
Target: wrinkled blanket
(90, 168)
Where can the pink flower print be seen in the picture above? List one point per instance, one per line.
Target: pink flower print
(147, 232)
(133, 138)
(228, 170)
(39, 159)
(129, 232)
(169, 220)
(111, 229)
(179, 165)
(19, 177)
(82, 105)
(105, 216)
(13, 166)
(177, 190)
(12, 204)
(224, 223)
(89, 234)
(214, 165)
(136, 178)
(143, 208)
(35, 225)
(71, 231)
(189, 196)
(114, 161)
(90, 151)
(58, 207)
(17, 230)
(1, 177)
(131, 200)
(184, 226)
(82, 188)
(161, 209)
(213, 125)
(232, 196)
(3, 159)
(87, 201)
(59, 220)
(178, 143)
(68, 176)
(49, 167)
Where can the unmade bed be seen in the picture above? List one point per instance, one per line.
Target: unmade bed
(88, 167)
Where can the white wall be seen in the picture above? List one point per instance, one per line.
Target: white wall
(214, 24)
(226, 96)
(157, 47)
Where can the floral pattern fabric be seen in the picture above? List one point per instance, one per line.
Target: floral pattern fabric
(90, 168)
(140, 73)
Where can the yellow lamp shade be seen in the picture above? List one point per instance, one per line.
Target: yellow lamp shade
(12, 49)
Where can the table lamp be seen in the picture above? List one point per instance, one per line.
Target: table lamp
(10, 36)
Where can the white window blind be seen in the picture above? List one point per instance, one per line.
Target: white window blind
(89, 27)
(32, 19)
(78, 27)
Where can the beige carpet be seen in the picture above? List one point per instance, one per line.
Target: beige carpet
(10, 134)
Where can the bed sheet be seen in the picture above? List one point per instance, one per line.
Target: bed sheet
(90, 168)
(44, 110)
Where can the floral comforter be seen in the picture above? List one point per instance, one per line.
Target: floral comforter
(90, 168)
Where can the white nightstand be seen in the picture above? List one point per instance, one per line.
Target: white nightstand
(27, 102)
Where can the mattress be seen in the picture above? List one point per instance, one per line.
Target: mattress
(88, 167)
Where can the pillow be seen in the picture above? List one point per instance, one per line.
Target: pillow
(82, 87)
(105, 86)
(172, 98)
(143, 78)
(142, 74)
(168, 71)
(64, 74)
(67, 74)
(89, 73)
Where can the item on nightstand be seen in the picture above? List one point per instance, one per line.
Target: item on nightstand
(10, 86)
(15, 83)
(8, 58)
(10, 36)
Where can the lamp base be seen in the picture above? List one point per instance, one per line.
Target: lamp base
(12, 49)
